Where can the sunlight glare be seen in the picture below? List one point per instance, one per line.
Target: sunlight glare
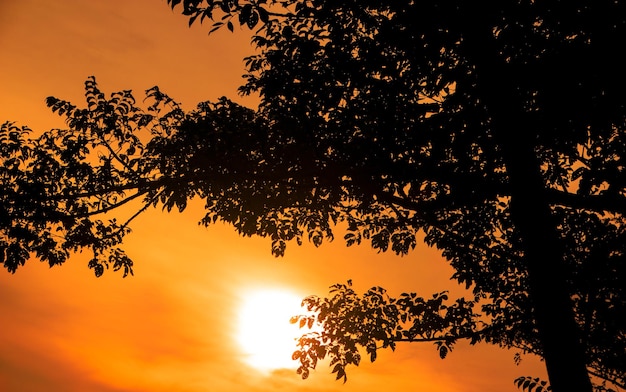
(265, 334)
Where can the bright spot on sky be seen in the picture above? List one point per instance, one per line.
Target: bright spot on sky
(265, 334)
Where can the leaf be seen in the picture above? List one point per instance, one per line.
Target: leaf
(263, 14)
(230, 26)
(225, 6)
(245, 13)
(252, 20)
(320, 352)
(216, 26)
(341, 373)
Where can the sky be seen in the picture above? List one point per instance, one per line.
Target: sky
(177, 325)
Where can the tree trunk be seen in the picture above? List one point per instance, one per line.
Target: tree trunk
(553, 309)
(562, 348)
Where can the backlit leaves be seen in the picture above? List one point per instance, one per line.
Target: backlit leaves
(222, 12)
(531, 384)
(374, 321)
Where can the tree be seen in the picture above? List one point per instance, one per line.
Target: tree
(493, 132)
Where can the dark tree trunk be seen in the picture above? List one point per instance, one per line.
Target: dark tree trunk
(562, 348)
(553, 309)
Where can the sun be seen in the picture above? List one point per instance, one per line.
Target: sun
(265, 335)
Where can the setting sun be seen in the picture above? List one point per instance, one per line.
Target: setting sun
(265, 334)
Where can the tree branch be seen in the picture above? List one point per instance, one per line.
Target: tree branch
(113, 206)
(597, 203)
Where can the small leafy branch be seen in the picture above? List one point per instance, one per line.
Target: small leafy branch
(530, 384)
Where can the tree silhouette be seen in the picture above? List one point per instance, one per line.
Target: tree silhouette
(493, 132)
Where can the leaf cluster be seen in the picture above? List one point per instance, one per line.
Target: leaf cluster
(223, 12)
(350, 322)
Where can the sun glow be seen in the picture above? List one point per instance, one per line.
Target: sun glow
(265, 334)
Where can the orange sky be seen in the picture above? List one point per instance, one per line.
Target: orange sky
(172, 326)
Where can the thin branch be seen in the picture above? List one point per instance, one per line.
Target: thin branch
(135, 215)
(113, 206)
(118, 188)
(468, 335)
(142, 209)
(612, 380)
(597, 203)
(116, 156)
